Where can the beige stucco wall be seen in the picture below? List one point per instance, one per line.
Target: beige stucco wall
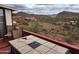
(8, 17)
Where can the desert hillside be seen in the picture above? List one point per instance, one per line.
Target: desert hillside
(67, 14)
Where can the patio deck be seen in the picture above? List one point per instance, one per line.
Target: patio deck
(72, 49)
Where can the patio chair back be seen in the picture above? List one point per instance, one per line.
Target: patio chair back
(17, 33)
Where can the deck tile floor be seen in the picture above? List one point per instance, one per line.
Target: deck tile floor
(34, 45)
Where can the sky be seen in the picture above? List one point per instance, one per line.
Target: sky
(45, 9)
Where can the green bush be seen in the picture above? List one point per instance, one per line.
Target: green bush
(36, 26)
(66, 26)
(77, 24)
(71, 38)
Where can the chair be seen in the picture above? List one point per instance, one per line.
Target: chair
(17, 33)
(13, 33)
(9, 33)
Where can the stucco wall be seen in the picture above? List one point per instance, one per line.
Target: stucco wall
(8, 17)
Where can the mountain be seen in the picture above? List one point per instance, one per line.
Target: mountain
(54, 15)
(27, 14)
(24, 15)
(67, 14)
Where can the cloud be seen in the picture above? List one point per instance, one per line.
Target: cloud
(18, 6)
(46, 8)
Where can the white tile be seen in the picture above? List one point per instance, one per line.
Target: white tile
(42, 49)
(35, 38)
(25, 49)
(60, 49)
(18, 44)
(31, 37)
(49, 45)
(25, 37)
(26, 41)
(41, 41)
(14, 41)
(22, 40)
(29, 41)
(52, 51)
(33, 52)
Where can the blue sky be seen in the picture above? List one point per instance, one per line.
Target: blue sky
(46, 9)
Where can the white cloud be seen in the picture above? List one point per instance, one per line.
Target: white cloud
(47, 8)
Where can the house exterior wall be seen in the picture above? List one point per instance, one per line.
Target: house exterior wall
(2, 23)
(8, 18)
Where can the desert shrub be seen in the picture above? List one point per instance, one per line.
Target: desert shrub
(71, 38)
(36, 26)
(44, 30)
(61, 32)
(29, 27)
(66, 26)
(77, 24)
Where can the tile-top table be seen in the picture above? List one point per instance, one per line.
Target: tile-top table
(34, 45)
